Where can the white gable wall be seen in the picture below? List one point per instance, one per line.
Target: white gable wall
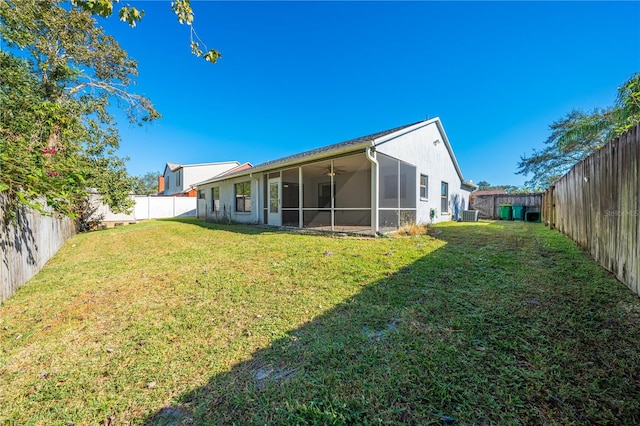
(195, 174)
(417, 148)
(170, 186)
(190, 175)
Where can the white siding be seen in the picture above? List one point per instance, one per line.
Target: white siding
(195, 174)
(417, 148)
(170, 179)
(192, 174)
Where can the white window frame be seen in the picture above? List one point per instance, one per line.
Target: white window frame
(444, 197)
(424, 183)
(244, 197)
(214, 199)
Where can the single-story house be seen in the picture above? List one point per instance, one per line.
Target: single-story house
(370, 184)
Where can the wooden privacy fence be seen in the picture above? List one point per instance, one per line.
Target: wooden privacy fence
(488, 205)
(597, 204)
(27, 245)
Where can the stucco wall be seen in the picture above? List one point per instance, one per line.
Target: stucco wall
(417, 148)
(227, 201)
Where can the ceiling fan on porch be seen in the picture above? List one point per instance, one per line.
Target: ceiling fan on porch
(336, 171)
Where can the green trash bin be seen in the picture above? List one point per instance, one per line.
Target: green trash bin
(505, 211)
(518, 212)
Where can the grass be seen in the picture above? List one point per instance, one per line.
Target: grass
(180, 322)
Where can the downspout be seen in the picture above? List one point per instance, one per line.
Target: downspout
(370, 153)
(257, 179)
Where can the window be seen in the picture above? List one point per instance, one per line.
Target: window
(201, 194)
(424, 187)
(215, 199)
(444, 197)
(178, 173)
(243, 196)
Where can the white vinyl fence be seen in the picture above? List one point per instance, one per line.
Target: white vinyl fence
(146, 207)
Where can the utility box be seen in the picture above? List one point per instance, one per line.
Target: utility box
(469, 215)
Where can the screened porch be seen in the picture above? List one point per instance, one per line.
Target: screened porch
(335, 195)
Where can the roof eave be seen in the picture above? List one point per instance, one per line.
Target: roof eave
(292, 162)
(469, 186)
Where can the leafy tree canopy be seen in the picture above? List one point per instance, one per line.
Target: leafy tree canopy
(579, 134)
(483, 185)
(60, 72)
(146, 184)
(131, 15)
(509, 189)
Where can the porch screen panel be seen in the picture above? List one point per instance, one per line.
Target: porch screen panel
(397, 193)
(349, 218)
(407, 216)
(290, 198)
(408, 180)
(317, 219)
(315, 178)
(352, 182)
(316, 195)
(388, 220)
(388, 181)
(291, 218)
(290, 192)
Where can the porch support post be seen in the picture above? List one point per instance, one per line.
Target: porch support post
(370, 154)
(300, 195)
(332, 204)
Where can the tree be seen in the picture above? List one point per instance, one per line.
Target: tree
(131, 15)
(483, 185)
(579, 134)
(146, 184)
(509, 189)
(60, 73)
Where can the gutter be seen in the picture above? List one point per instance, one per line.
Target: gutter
(370, 154)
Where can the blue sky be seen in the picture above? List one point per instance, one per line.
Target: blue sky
(299, 75)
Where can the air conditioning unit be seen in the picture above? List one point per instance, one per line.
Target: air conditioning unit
(469, 215)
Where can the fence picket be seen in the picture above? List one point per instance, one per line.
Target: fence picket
(597, 204)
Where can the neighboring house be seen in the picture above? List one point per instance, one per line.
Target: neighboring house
(370, 184)
(180, 179)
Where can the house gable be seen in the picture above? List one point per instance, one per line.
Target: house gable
(180, 179)
(426, 146)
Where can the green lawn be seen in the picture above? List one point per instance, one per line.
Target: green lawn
(181, 322)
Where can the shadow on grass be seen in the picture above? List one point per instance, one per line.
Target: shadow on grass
(460, 334)
(256, 229)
